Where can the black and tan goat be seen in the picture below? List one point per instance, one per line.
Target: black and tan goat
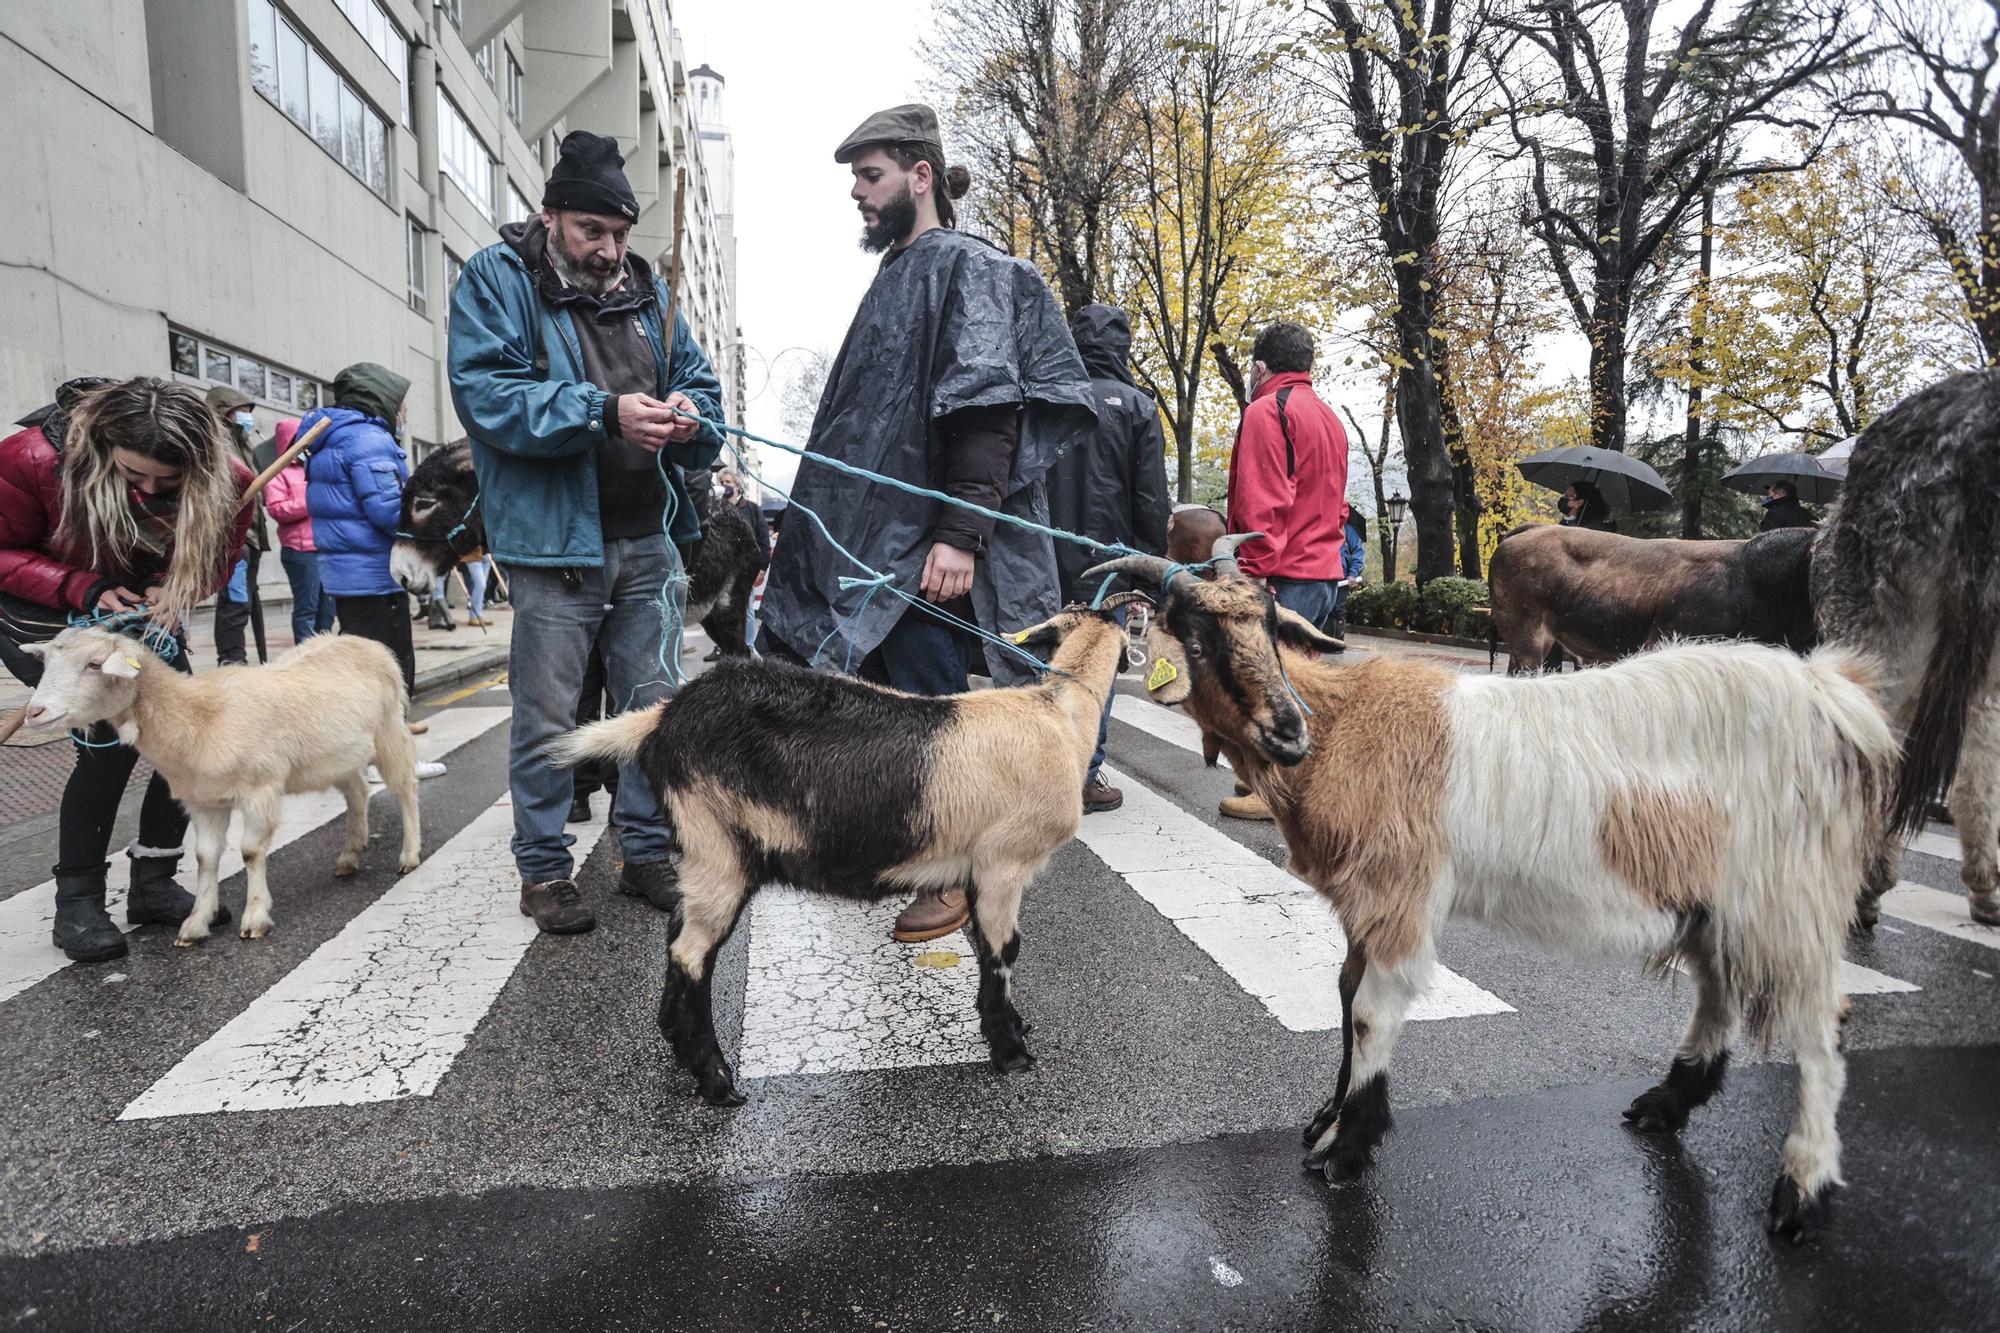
(773, 773)
(1706, 803)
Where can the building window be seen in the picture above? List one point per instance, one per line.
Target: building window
(483, 60)
(295, 76)
(516, 99)
(384, 38)
(463, 157)
(517, 204)
(453, 268)
(194, 357)
(419, 288)
(454, 10)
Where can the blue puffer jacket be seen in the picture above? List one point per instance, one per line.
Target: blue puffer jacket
(535, 420)
(354, 488)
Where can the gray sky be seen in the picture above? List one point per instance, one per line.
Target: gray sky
(799, 74)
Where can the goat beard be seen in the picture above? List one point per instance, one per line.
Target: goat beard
(894, 221)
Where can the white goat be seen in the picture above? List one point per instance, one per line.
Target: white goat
(1713, 804)
(242, 737)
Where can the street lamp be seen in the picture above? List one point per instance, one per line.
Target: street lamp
(1397, 505)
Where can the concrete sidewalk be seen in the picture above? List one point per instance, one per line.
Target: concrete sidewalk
(35, 765)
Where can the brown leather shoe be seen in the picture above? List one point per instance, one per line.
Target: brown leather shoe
(930, 915)
(1100, 796)
(557, 906)
(1245, 807)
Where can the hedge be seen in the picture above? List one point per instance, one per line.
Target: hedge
(1443, 606)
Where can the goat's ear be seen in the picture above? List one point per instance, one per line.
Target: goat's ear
(35, 649)
(1295, 631)
(1167, 678)
(1045, 636)
(120, 663)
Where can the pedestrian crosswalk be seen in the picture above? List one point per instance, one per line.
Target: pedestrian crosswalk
(27, 954)
(383, 1010)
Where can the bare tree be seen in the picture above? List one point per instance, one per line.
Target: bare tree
(1376, 451)
(1041, 91)
(1399, 73)
(1626, 120)
(1956, 105)
(798, 401)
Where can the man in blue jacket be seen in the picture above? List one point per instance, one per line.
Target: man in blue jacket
(562, 375)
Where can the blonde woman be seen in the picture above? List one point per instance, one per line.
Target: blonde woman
(120, 503)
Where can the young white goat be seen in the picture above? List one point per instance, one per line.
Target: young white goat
(775, 773)
(1712, 804)
(242, 737)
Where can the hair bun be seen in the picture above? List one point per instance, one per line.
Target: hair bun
(957, 180)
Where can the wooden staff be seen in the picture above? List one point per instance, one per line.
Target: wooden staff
(264, 478)
(279, 464)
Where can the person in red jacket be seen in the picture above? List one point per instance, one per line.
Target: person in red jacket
(1288, 480)
(1288, 477)
(121, 502)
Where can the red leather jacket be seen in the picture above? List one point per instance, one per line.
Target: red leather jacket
(32, 566)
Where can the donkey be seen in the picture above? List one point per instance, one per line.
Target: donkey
(1908, 571)
(1601, 596)
(442, 526)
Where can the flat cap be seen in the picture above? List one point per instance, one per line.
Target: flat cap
(912, 123)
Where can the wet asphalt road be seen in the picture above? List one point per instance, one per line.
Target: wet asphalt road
(1143, 1175)
(1529, 1212)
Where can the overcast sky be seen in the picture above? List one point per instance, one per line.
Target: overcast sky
(798, 75)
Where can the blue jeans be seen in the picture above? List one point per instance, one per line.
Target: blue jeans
(312, 606)
(1104, 723)
(1311, 598)
(556, 620)
(475, 584)
(921, 655)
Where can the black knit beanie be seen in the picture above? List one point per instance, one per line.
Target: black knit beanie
(589, 177)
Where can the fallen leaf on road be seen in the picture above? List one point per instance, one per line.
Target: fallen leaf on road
(937, 958)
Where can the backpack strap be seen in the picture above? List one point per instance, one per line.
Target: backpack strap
(1285, 425)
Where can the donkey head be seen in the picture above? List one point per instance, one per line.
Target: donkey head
(441, 521)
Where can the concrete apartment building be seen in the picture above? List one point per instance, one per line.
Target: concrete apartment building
(260, 192)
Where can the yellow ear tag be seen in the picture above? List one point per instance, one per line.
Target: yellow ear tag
(1163, 675)
(132, 662)
(1022, 637)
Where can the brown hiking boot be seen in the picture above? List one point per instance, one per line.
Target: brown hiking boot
(930, 915)
(557, 906)
(1100, 796)
(1245, 807)
(658, 882)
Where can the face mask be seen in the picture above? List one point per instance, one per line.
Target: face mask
(246, 420)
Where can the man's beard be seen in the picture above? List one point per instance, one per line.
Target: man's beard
(894, 221)
(580, 276)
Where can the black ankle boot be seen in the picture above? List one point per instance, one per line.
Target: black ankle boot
(157, 899)
(83, 928)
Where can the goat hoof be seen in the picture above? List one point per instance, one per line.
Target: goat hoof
(1344, 1166)
(1794, 1215)
(718, 1089)
(407, 866)
(189, 941)
(1323, 1120)
(1013, 1061)
(1986, 909)
(346, 866)
(1657, 1111)
(254, 930)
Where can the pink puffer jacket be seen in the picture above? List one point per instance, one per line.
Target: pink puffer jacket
(285, 497)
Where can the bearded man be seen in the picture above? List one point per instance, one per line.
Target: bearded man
(562, 375)
(958, 374)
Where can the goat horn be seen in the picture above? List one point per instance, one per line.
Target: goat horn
(1225, 551)
(1118, 599)
(1152, 568)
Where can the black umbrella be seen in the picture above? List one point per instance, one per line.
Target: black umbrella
(1809, 479)
(1623, 481)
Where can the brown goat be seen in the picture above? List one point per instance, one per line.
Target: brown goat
(1601, 596)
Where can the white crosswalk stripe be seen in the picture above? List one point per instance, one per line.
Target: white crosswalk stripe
(381, 1010)
(27, 955)
(1939, 911)
(829, 992)
(1177, 729)
(1267, 929)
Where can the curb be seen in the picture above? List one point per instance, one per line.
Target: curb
(1412, 636)
(476, 663)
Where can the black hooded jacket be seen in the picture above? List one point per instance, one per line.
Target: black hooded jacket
(1113, 484)
(1786, 512)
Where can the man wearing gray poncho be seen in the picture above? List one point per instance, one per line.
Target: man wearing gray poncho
(959, 375)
